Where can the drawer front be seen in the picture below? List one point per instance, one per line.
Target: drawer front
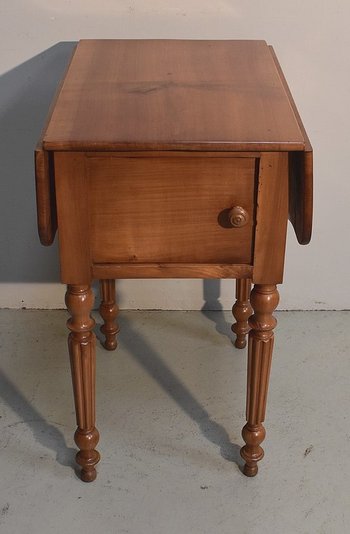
(171, 209)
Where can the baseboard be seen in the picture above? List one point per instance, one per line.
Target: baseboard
(154, 295)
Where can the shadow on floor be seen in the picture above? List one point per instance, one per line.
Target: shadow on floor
(153, 364)
(212, 308)
(45, 433)
(48, 435)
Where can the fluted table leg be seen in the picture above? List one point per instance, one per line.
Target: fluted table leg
(109, 311)
(81, 343)
(264, 300)
(241, 311)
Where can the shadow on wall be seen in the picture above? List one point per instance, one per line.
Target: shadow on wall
(26, 93)
(25, 96)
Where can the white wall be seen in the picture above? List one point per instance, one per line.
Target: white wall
(312, 41)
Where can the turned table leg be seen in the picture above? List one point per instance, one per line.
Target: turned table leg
(81, 343)
(264, 299)
(109, 311)
(241, 311)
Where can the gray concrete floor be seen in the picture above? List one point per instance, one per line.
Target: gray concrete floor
(170, 406)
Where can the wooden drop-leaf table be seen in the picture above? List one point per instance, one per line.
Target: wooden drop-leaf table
(172, 159)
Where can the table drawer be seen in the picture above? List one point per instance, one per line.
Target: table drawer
(171, 209)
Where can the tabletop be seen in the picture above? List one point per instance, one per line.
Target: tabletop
(173, 94)
(188, 95)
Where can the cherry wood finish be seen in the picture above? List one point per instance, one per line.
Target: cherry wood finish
(241, 311)
(109, 311)
(45, 197)
(271, 218)
(81, 343)
(180, 213)
(173, 159)
(170, 270)
(173, 94)
(300, 177)
(238, 217)
(264, 300)
(72, 204)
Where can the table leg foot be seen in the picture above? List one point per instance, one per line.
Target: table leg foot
(109, 311)
(241, 311)
(82, 344)
(87, 457)
(252, 453)
(264, 300)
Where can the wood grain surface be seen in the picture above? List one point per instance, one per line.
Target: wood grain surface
(45, 196)
(173, 209)
(173, 94)
(300, 176)
(170, 270)
(73, 213)
(271, 218)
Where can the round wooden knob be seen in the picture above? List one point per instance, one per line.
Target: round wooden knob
(238, 217)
